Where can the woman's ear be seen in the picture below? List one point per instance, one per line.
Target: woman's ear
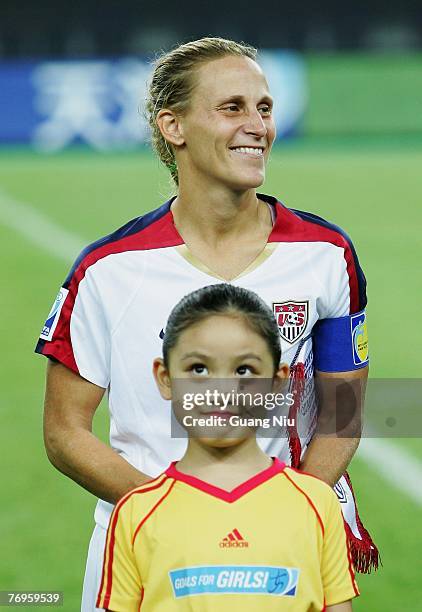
(170, 127)
(162, 378)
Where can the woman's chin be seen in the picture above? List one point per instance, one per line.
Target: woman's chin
(252, 181)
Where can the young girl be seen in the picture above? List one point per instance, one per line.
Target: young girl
(226, 527)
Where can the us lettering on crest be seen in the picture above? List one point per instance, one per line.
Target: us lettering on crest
(292, 318)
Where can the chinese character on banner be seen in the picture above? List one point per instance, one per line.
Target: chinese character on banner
(130, 88)
(75, 97)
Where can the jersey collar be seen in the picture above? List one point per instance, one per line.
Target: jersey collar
(229, 496)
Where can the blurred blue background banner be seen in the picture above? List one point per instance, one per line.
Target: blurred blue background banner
(55, 104)
(17, 113)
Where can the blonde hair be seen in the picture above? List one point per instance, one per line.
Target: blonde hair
(172, 84)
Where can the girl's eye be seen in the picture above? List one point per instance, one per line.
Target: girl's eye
(199, 369)
(244, 370)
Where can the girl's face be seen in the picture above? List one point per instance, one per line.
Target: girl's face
(220, 353)
(221, 346)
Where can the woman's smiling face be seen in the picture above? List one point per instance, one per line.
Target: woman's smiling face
(228, 128)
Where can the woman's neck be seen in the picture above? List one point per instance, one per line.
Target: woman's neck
(225, 468)
(216, 215)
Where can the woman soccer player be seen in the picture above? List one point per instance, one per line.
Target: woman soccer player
(210, 111)
(226, 526)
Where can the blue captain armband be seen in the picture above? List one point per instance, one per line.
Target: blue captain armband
(341, 344)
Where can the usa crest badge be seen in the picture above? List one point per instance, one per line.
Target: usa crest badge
(292, 318)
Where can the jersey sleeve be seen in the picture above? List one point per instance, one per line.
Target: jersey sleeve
(76, 331)
(341, 274)
(347, 284)
(340, 337)
(121, 587)
(337, 572)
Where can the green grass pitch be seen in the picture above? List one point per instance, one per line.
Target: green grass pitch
(370, 190)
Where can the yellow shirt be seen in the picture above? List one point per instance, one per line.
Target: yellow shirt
(276, 542)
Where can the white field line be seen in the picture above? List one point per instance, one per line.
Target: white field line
(39, 229)
(394, 464)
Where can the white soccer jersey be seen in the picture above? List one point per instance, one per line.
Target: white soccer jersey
(108, 320)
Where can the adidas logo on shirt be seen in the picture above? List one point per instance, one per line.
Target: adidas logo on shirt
(234, 540)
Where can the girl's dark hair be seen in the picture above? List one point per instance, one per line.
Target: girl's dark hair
(222, 299)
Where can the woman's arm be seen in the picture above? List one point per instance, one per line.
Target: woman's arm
(70, 404)
(339, 424)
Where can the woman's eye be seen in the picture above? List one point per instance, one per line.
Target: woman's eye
(265, 110)
(199, 369)
(232, 108)
(244, 370)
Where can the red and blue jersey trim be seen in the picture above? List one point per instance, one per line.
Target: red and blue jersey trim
(153, 230)
(297, 226)
(156, 230)
(353, 267)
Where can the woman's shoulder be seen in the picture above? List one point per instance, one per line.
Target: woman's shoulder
(152, 230)
(293, 224)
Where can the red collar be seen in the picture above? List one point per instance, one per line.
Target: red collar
(229, 496)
